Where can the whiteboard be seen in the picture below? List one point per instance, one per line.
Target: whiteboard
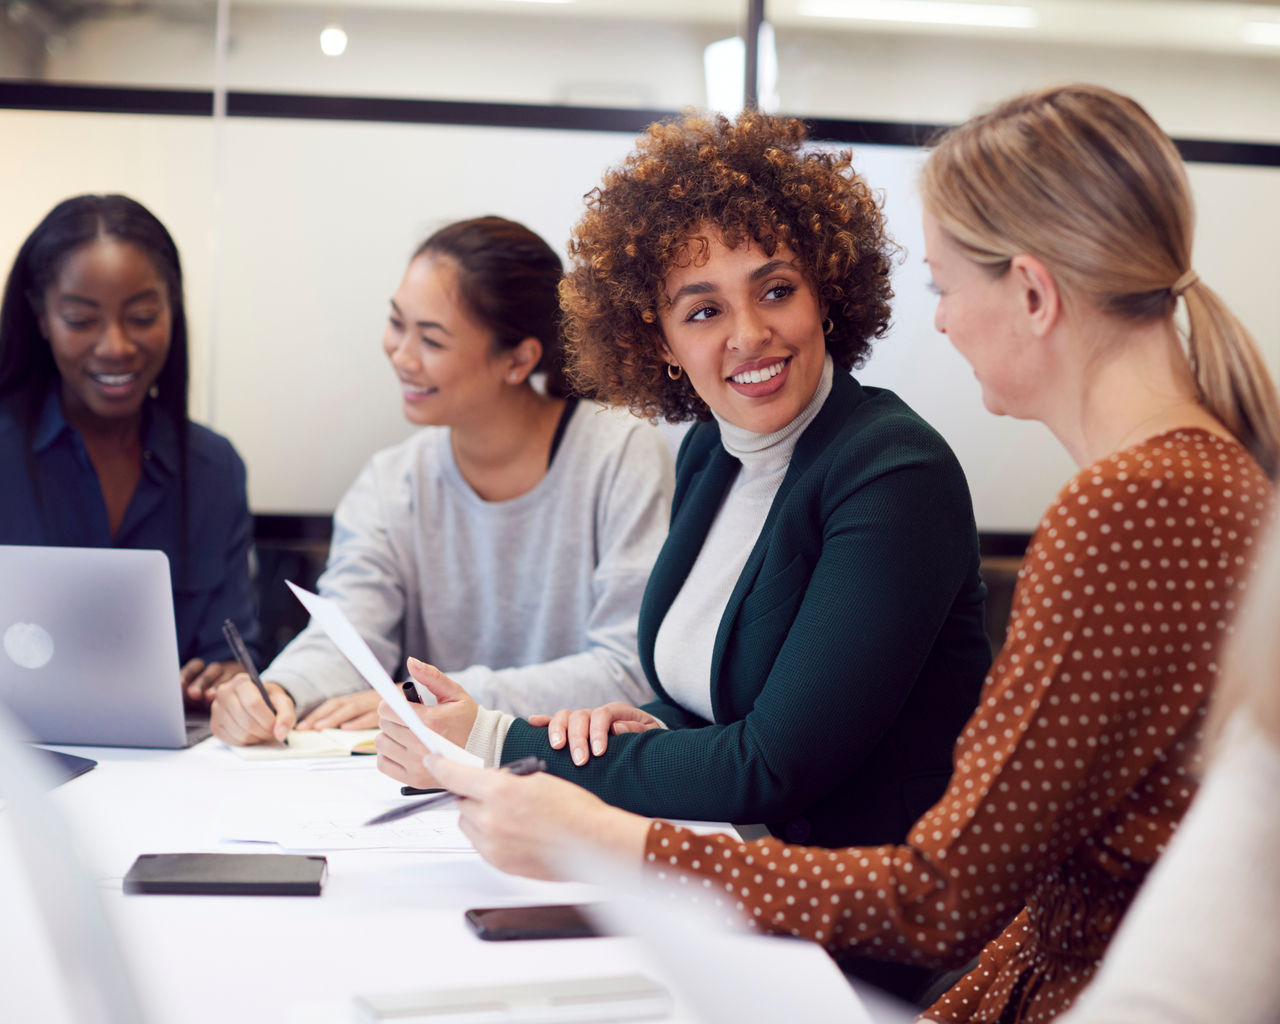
(294, 235)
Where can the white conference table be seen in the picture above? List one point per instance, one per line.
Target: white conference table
(387, 921)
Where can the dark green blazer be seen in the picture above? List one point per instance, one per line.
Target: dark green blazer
(849, 655)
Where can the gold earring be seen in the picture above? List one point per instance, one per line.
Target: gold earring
(674, 371)
(828, 326)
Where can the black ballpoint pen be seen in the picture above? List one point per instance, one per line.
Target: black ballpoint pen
(242, 655)
(411, 695)
(521, 766)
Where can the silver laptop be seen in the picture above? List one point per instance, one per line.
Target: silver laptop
(88, 646)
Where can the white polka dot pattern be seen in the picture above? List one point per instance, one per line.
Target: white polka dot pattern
(1075, 767)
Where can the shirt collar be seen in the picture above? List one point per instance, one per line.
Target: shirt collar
(158, 434)
(51, 423)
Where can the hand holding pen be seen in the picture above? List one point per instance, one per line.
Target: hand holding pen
(246, 710)
(243, 656)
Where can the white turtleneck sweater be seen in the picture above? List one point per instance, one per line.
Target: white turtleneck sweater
(685, 641)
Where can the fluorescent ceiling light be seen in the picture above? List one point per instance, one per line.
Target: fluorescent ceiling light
(934, 12)
(1264, 33)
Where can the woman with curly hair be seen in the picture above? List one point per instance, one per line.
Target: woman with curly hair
(813, 626)
(1058, 233)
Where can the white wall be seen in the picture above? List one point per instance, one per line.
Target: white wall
(312, 221)
(299, 364)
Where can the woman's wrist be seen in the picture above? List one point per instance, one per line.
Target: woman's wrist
(622, 834)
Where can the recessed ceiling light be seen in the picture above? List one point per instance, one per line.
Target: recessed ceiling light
(935, 12)
(333, 41)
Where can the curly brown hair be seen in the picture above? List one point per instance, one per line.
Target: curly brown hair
(751, 181)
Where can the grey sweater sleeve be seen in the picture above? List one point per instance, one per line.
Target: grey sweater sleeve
(364, 578)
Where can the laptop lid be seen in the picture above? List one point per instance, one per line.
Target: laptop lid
(88, 646)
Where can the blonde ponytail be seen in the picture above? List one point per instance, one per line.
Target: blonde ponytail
(1234, 382)
(1084, 180)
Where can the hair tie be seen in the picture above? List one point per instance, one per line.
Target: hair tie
(1184, 282)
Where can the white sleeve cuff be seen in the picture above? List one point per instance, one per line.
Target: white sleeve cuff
(488, 734)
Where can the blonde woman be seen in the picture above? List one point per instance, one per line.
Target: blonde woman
(1058, 233)
(1202, 941)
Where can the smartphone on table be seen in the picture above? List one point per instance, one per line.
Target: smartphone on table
(558, 921)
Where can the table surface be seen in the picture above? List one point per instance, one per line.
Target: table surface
(387, 921)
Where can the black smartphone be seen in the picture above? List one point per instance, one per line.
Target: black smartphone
(561, 921)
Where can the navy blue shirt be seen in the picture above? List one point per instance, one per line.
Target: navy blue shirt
(210, 583)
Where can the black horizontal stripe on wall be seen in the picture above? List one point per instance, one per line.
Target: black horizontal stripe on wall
(39, 95)
(291, 528)
(26, 94)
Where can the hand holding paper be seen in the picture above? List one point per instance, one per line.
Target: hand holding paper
(327, 615)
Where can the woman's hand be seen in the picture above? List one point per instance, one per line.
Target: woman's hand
(400, 752)
(592, 726)
(199, 680)
(240, 716)
(350, 711)
(521, 823)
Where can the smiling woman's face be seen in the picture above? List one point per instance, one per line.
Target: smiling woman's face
(442, 354)
(109, 322)
(747, 329)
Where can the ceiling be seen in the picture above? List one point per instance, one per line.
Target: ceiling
(1206, 25)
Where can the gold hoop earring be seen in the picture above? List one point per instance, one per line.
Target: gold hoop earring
(828, 325)
(674, 371)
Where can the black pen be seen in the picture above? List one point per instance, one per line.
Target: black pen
(246, 661)
(521, 766)
(411, 695)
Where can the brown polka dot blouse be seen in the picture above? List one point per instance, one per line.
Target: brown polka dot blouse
(1075, 767)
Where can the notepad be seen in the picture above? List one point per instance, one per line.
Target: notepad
(312, 743)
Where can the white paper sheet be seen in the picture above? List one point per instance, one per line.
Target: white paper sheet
(356, 651)
(308, 743)
(429, 832)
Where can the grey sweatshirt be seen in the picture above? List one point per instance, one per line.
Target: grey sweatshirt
(529, 604)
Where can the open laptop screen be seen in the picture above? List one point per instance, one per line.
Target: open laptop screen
(88, 646)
